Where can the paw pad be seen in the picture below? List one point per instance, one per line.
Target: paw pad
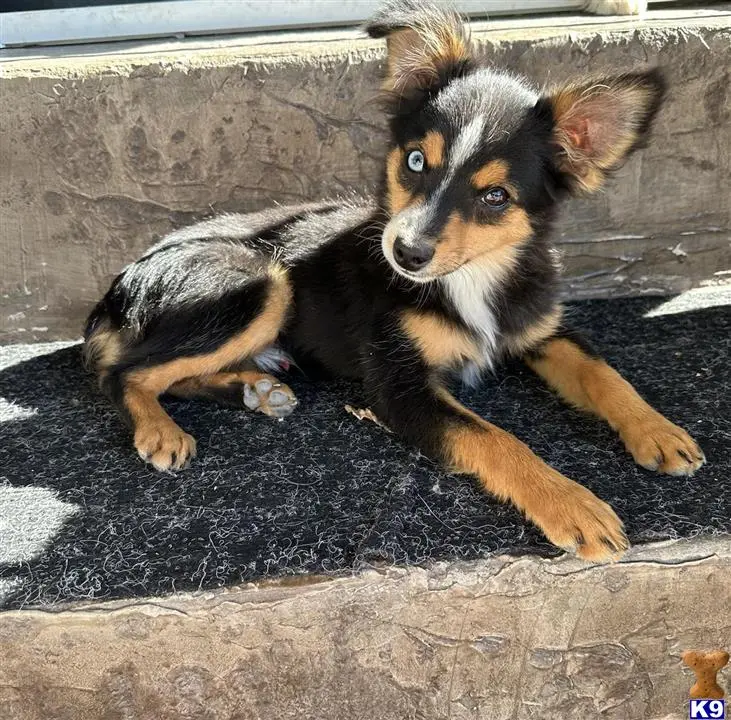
(270, 397)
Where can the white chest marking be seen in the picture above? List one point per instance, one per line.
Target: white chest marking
(470, 289)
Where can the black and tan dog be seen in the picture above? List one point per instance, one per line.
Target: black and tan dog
(448, 270)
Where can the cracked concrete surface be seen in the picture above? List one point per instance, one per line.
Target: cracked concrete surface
(103, 151)
(516, 638)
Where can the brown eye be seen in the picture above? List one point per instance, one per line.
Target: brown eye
(495, 198)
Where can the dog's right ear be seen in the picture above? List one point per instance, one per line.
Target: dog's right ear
(428, 46)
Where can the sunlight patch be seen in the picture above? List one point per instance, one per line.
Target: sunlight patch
(13, 411)
(30, 518)
(7, 586)
(695, 299)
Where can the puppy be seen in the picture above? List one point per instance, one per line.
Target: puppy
(447, 271)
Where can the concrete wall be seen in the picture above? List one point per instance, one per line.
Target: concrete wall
(102, 151)
(500, 639)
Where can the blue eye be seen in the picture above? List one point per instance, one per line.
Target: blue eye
(415, 161)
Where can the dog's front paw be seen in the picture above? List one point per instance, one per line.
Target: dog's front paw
(575, 519)
(164, 445)
(656, 444)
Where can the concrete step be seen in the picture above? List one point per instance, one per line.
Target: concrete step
(106, 147)
(518, 638)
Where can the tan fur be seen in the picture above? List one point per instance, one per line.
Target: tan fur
(196, 386)
(590, 384)
(398, 196)
(433, 148)
(494, 173)
(237, 387)
(440, 343)
(157, 438)
(595, 128)
(415, 55)
(262, 331)
(102, 350)
(534, 334)
(569, 515)
(432, 145)
(463, 242)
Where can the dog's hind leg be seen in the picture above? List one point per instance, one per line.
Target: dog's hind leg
(250, 389)
(177, 354)
(157, 438)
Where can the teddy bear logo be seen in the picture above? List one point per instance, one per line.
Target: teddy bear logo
(706, 665)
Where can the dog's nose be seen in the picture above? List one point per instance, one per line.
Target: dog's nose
(412, 257)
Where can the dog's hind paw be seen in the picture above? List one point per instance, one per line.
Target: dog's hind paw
(164, 445)
(267, 395)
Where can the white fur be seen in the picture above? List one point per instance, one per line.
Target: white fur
(273, 360)
(470, 289)
(467, 143)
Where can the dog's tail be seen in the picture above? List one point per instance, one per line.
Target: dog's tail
(102, 342)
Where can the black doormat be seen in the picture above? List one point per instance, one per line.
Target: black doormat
(322, 492)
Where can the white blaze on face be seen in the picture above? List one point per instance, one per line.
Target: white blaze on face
(410, 225)
(467, 143)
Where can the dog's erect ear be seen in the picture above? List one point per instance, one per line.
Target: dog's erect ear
(428, 46)
(597, 124)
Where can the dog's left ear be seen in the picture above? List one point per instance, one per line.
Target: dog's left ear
(599, 123)
(428, 46)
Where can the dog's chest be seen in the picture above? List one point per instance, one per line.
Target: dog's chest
(471, 294)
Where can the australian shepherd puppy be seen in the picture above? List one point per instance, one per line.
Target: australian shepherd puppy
(447, 271)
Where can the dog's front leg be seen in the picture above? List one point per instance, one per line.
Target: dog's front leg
(416, 407)
(586, 381)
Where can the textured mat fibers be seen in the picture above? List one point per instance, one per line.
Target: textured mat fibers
(82, 517)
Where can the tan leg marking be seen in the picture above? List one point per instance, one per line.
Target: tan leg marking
(590, 384)
(569, 515)
(260, 332)
(254, 390)
(159, 441)
(197, 386)
(157, 438)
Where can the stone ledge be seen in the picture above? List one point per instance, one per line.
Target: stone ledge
(107, 147)
(502, 638)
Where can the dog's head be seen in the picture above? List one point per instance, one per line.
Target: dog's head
(479, 157)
